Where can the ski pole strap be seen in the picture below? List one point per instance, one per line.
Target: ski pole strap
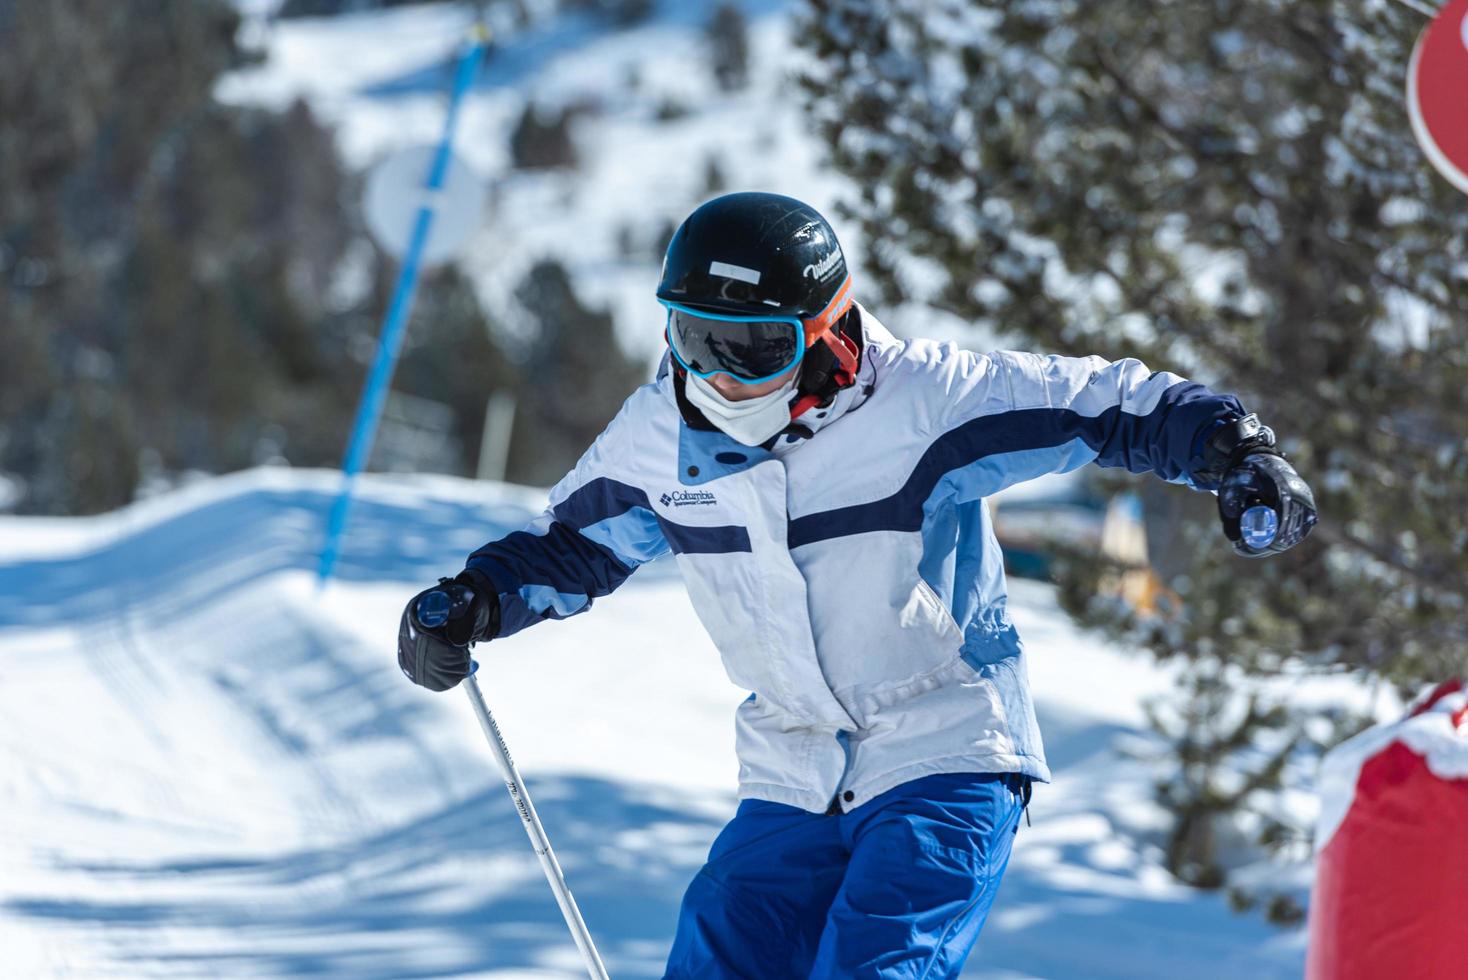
(1228, 442)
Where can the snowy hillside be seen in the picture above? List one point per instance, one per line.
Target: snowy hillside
(206, 768)
(651, 122)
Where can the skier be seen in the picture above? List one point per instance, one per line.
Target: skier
(822, 485)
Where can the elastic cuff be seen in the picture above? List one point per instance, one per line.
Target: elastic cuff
(485, 587)
(477, 581)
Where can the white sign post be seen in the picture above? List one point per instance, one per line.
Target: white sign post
(395, 192)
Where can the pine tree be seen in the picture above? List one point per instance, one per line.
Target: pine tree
(1228, 190)
(542, 139)
(166, 260)
(575, 379)
(728, 37)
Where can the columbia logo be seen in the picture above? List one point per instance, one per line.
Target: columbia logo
(688, 498)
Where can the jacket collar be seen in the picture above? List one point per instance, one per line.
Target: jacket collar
(875, 336)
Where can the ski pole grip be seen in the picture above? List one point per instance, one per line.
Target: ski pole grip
(433, 609)
(1258, 526)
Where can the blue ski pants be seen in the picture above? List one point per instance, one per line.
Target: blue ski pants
(897, 888)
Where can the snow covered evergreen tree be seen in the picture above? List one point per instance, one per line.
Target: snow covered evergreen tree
(1229, 190)
(727, 32)
(152, 236)
(573, 381)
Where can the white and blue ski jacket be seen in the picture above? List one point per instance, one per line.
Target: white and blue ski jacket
(852, 581)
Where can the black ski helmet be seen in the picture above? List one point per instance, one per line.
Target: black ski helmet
(753, 253)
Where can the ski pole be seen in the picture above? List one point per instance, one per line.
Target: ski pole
(538, 841)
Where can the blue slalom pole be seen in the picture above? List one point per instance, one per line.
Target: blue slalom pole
(364, 430)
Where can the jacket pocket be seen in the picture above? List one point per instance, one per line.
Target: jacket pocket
(923, 654)
(925, 612)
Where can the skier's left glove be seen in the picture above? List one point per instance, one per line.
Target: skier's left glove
(439, 626)
(1265, 506)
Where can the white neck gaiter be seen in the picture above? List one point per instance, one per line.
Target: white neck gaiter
(748, 422)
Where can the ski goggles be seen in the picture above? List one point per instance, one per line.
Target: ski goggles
(750, 349)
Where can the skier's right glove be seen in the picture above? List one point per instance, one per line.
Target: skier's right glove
(439, 626)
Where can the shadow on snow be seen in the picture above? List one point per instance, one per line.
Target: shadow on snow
(195, 557)
(455, 891)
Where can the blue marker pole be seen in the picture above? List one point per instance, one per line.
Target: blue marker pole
(364, 430)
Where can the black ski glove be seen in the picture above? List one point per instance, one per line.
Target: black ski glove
(1265, 506)
(439, 626)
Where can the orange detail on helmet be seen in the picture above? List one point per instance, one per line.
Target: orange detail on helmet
(822, 327)
(816, 326)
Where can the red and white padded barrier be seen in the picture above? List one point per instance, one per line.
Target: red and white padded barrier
(1391, 881)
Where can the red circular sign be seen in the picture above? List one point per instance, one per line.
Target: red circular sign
(1437, 92)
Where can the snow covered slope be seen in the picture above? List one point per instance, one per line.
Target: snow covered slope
(208, 768)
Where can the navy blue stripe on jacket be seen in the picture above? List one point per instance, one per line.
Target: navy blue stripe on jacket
(1165, 441)
(547, 576)
(602, 498)
(598, 536)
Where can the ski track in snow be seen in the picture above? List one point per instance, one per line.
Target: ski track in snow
(208, 768)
